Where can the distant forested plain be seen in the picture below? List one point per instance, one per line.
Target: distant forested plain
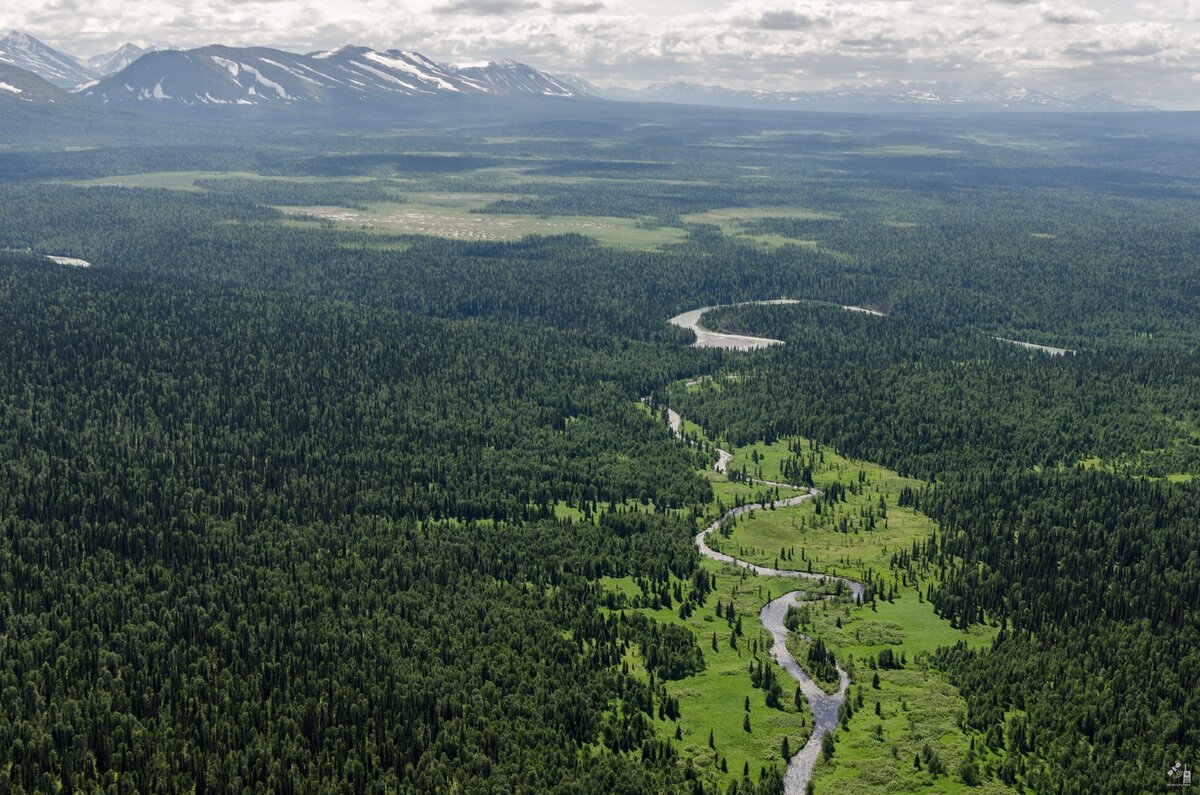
(332, 472)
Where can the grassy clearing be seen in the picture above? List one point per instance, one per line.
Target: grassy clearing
(914, 150)
(726, 214)
(1010, 142)
(1150, 464)
(713, 702)
(858, 532)
(186, 180)
(918, 707)
(451, 215)
(527, 175)
(919, 710)
(727, 494)
(736, 222)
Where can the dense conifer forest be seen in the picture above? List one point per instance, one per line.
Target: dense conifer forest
(298, 504)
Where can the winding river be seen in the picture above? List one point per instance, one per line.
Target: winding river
(825, 707)
(706, 338)
(716, 339)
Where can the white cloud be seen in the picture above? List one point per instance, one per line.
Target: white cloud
(1068, 13)
(1145, 50)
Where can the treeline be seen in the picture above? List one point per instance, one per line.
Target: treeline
(304, 193)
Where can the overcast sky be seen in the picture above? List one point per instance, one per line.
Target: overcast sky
(1139, 50)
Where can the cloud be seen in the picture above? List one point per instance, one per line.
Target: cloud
(486, 7)
(786, 20)
(1130, 41)
(569, 8)
(1067, 13)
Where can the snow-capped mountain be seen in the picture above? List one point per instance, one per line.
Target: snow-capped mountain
(110, 63)
(579, 84)
(509, 77)
(893, 97)
(25, 52)
(219, 75)
(682, 92)
(1023, 98)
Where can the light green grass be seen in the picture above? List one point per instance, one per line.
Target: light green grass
(908, 150)
(451, 216)
(761, 538)
(186, 180)
(1010, 142)
(714, 699)
(839, 540)
(919, 705)
(526, 175)
(735, 222)
(1131, 466)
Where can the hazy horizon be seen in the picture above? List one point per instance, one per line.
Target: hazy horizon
(1142, 52)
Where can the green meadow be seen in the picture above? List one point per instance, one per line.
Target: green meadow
(456, 217)
(905, 731)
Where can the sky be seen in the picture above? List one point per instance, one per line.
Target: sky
(1139, 50)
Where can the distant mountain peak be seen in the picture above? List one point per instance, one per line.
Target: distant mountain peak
(23, 51)
(112, 62)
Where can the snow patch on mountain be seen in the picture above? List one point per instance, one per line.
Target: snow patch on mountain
(271, 84)
(228, 65)
(390, 78)
(406, 66)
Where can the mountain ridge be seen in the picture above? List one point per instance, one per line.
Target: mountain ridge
(54, 66)
(109, 63)
(893, 96)
(221, 75)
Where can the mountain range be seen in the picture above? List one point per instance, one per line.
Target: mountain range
(357, 76)
(260, 76)
(892, 96)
